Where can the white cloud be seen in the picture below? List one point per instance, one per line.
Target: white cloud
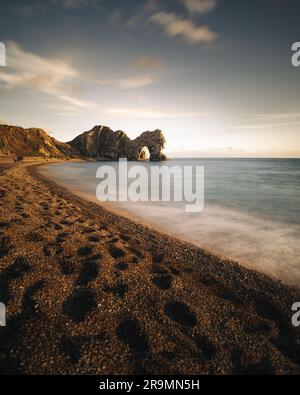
(68, 114)
(176, 26)
(199, 6)
(147, 73)
(134, 82)
(134, 113)
(173, 24)
(51, 76)
(149, 113)
(274, 116)
(62, 107)
(267, 121)
(264, 126)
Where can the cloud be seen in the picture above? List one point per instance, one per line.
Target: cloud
(148, 113)
(264, 126)
(61, 107)
(267, 121)
(199, 6)
(177, 26)
(68, 114)
(140, 15)
(274, 116)
(148, 63)
(135, 82)
(134, 113)
(159, 12)
(50, 76)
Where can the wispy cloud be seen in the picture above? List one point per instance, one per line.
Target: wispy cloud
(199, 6)
(51, 76)
(148, 63)
(274, 116)
(185, 28)
(264, 126)
(68, 114)
(149, 113)
(134, 82)
(267, 121)
(134, 113)
(142, 13)
(173, 23)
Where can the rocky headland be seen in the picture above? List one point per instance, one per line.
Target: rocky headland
(100, 143)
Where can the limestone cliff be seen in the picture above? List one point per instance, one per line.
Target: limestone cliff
(17, 141)
(102, 143)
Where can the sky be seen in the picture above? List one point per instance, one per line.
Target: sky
(214, 75)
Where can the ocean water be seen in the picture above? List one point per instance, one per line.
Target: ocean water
(251, 212)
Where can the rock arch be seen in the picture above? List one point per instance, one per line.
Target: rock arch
(154, 141)
(102, 143)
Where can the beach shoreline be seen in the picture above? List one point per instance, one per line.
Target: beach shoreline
(148, 302)
(129, 217)
(238, 231)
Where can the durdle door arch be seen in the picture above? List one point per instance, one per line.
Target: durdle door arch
(103, 143)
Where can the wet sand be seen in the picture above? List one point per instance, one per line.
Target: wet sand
(90, 292)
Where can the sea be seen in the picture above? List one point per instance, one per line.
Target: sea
(251, 211)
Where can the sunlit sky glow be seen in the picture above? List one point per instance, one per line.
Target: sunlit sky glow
(214, 75)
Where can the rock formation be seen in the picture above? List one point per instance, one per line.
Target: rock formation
(16, 141)
(102, 143)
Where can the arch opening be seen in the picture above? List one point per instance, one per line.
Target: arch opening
(144, 154)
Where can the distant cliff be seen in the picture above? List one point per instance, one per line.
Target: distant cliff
(16, 141)
(103, 143)
(100, 143)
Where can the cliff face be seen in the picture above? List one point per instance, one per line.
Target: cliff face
(102, 143)
(16, 141)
